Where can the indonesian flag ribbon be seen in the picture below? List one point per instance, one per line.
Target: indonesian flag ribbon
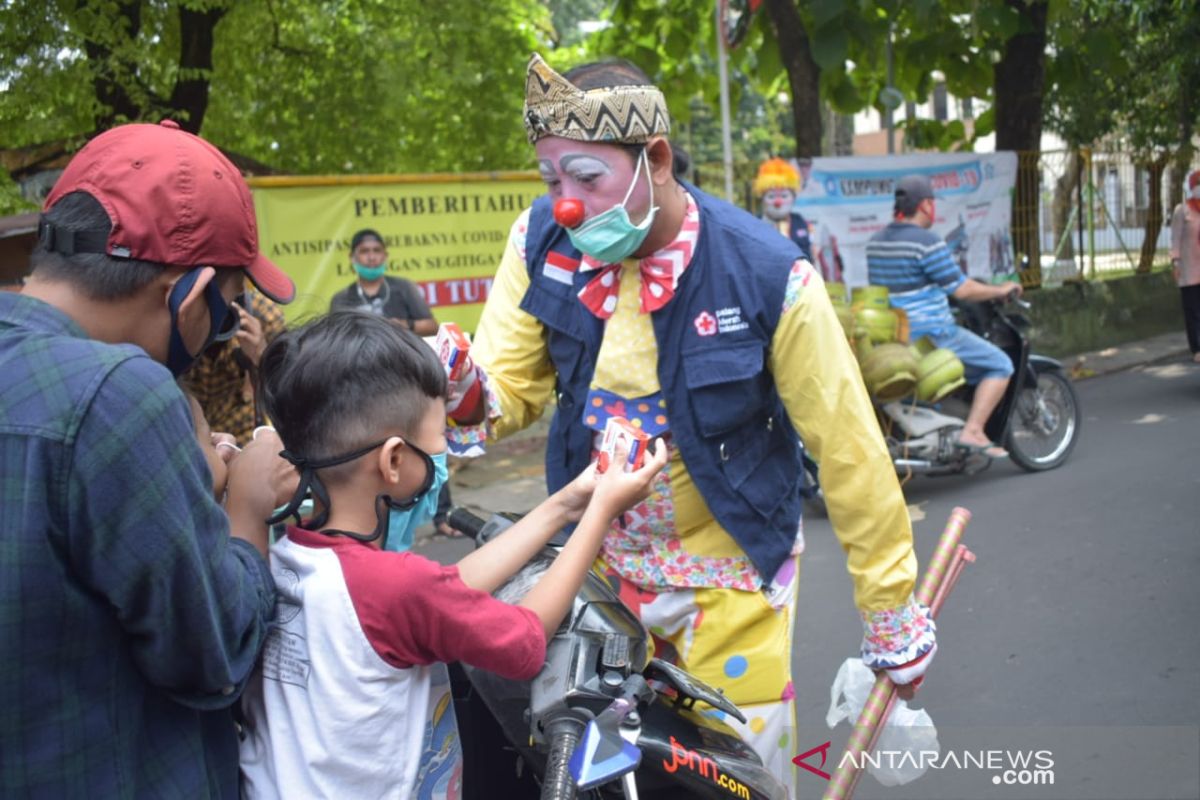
(660, 272)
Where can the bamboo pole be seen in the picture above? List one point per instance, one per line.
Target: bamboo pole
(940, 576)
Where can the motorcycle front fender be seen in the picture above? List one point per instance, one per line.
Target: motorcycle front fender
(1041, 364)
(692, 754)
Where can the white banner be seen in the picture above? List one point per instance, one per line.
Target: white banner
(847, 200)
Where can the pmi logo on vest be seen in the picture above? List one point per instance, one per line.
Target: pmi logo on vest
(1006, 767)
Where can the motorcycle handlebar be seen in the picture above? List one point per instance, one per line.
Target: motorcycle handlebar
(564, 735)
(464, 521)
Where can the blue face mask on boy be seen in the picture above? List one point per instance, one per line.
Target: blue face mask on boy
(404, 517)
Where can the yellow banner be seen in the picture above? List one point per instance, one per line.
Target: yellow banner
(445, 233)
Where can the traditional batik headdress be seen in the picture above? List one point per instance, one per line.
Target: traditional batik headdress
(618, 114)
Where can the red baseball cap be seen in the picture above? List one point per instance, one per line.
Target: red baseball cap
(173, 199)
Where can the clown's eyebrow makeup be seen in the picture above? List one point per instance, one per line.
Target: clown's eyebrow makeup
(584, 167)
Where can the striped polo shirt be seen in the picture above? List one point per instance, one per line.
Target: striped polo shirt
(916, 266)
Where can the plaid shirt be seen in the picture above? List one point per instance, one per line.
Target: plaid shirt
(129, 619)
(218, 378)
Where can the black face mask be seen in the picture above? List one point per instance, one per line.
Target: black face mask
(223, 321)
(384, 504)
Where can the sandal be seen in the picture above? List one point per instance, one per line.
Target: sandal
(990, 450)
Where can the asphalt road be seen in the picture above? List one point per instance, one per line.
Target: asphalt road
(1076, 629)
(1081, 610)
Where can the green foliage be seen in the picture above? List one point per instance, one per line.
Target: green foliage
(1086, 77)
(303, 86)
(1126, 68)
(11, 201)
(376, 87)
(931, 134)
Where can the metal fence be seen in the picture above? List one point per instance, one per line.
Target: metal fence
(1095, 212)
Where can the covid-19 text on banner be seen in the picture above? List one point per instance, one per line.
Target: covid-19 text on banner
(446, 233)
(847, 200)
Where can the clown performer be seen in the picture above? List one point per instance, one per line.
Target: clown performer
(776, 186)
(625, 292)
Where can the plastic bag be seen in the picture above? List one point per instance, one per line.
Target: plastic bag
(909, 740)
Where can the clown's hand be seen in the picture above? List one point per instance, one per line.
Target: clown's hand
(900, 642)
(466, 394)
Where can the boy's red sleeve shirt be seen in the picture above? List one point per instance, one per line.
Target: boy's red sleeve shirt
(415, 611)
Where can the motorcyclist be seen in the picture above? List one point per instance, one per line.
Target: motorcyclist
(919, 271)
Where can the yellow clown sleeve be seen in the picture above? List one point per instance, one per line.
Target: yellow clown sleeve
(823, 391)
(510, 344)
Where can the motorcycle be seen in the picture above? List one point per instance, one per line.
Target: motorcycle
(602, 719)
(1037, 421)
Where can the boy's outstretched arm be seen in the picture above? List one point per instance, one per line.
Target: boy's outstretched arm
(498, 560)
(615, 491)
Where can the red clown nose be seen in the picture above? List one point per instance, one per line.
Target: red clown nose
(568, 212)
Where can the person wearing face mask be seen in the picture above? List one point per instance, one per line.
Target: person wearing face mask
(627, 292)
(376, 292)
(401, 302)
(1185, 259)
(132, 607)
(353, 696)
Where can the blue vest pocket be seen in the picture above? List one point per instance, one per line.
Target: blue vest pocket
(754, 467)
(726, 384)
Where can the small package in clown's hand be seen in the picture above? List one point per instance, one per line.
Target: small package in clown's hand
(619, 429)
(452, 346)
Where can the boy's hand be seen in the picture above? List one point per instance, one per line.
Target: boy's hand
(573, 498)
(259, 482)
(617, 490)
(259, 478)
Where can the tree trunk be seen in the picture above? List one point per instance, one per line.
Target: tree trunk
(189, 98)
(1060, 212)
(110, 76)
(1154, 216)
(804, 76)
(1019, 79)
(843, 135)
(1181, 164)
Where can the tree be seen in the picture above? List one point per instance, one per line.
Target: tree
(1018, 86)
(1085, 80)
(1162, 111)
(357, 85)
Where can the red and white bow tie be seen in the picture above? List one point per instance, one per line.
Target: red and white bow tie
(659, 272)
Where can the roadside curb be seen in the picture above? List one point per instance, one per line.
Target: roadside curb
(1144, 352)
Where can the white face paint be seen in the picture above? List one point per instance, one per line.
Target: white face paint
(599, 175)
(777, 203)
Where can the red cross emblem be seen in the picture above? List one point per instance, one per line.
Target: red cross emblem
(706, 324)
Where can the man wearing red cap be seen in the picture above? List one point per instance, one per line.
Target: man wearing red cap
(132, 608)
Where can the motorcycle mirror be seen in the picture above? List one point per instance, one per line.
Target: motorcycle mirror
(602, 755)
